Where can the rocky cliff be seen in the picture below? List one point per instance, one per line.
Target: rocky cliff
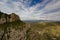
(4, 18)
(12, 28)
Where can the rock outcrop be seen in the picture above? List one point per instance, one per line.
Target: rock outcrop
(4, 18)
(13, 17)
(12, 28)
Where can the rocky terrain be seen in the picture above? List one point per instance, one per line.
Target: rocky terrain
(12, 28)
(8, 18)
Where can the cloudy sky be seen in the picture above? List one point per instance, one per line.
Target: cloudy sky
(32, 9)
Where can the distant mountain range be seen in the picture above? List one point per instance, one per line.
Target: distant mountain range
(33, 21)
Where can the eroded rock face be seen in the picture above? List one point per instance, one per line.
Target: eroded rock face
(8, 18)
(12, 28)
(14, 17)
(3, 18)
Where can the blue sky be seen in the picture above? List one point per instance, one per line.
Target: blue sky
(32, 9)
(34, 2)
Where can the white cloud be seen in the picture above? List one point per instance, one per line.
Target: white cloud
(41, 11)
